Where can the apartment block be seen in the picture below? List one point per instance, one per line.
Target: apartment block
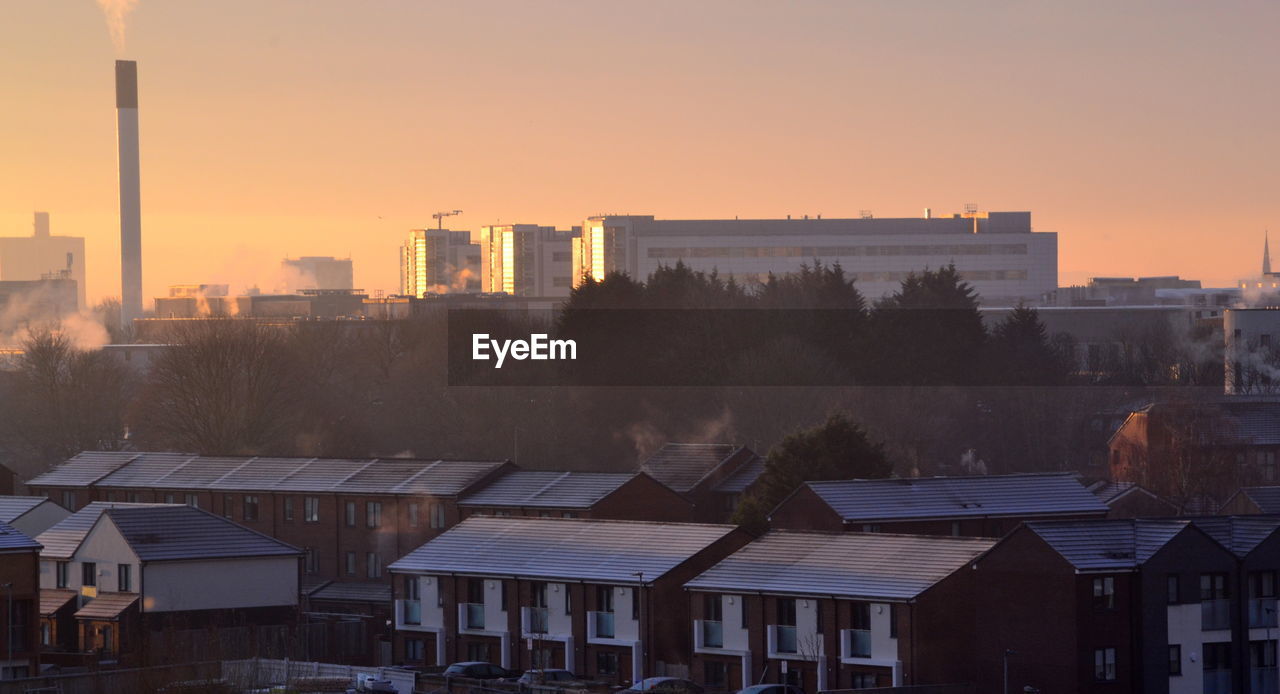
(527, 260)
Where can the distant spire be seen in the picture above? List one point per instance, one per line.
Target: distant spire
(1266, 254)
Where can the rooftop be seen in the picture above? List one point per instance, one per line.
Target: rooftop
(605, 551)
(106, 606)
(184, 471)
(1043, 494)
(165, 533)
(1240, 534)
(1108, 545)
(742, 478)
(1267, 499)
(523, 488)
(63, 539)
(854, 565)
(681, 466)
(13, 507)
(12, 541)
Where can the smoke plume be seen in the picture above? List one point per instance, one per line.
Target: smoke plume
(116, 11)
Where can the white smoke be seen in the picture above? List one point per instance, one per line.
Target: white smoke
(115, 12)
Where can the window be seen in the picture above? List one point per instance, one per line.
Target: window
(412, 588)
(1104, 664)
(89, 574)
(437, 515)
(1262, 584)
(1262, 655)
(106, 633)
(478, 651)
(606, 663)
(193, 501)
(863, 680)
(413, 649)
(228, 506)
(568, 514)
(288, 508)
(955, 528)
(861, 615)
(568, 603)
(373, 514)
(1104, 593)
(1217, 655)
(1175, 660)
(743, 599)
(502, 605)
(635, 602)
(64, 579)
(712, 607)
(46, 634)
(786, 608)
(1213, 586)
(1171, 589)
(124, 578)
(351, 563)
(475, 591)
(131, 497)
(69, 501)
(251, 508)
(870, 527)
(413, 514)
(893, 620)
(311, 509)
(168, 497)
(715, 674)
(350, 514)
(310, 561)
(373, 564)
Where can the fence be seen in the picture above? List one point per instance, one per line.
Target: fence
(129, 681)
(256, 673)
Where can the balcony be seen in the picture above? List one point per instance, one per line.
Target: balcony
(1263, 680)
(708, 634)
(600, 625)
(471, 615)
(784, 638)
(1262, 613)
(855, 643)
(1215, 614)
(411, 612)
(786, 643)
(534, 620)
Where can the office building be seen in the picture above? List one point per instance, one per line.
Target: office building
(996, 252)
(527, 260)
(43, 256)
(439, 261)
(316, 272)
(1251, 350)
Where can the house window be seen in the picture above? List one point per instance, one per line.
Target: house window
(413, 649)
(1262, 584)
(88, 574)
(413, 514)
(1104, 593)
(131, 497)
(715, 674)
(863, 680)
(1175, 660)
(437, 515)
(1267, 463)
(124, 578)
(1104, 664)
(63, 574)
(350, 509)
(412, 588)
(1217, 655)
(502, 596)
(288, 508)
(861, 617)
(46, 634)
(106, 633)
(373, 514)
(351, 563)
(635, 602)
(168, 497)
(571, 514)
(893, 620)
(193, 501)
(251, 508)
(870, 527)
(604, 599)
(713, 607)
(475, 591)
(228, 506)
(1171, 582)
(310, 560)
(311, 509)
(478, 651)
(786, 609)
(69, 501)
(1213, 586)
(568, 604)
(1262, 655)
(955, 528)
(373, 564)
(606, 663)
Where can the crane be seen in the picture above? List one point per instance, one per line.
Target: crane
(439, 217)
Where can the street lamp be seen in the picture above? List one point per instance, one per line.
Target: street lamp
(1007, 652)
(644, 613)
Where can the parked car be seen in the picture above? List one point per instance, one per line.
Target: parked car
(478, 670)
(664, 685)
(771, 689)
(548, 676)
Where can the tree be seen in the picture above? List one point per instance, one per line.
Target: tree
(1021, 353)
(837, 449)
(929, 332)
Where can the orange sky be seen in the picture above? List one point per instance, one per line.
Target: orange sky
(1143, 132)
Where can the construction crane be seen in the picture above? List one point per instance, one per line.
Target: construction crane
(439, 217)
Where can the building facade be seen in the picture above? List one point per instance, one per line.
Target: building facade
(996, 252)
(527, 260)
(1251, 354)
(44, 256)
(316, 272)
(439, 261)
(554, 494)
(19, 598)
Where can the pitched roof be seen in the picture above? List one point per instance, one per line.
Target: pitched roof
(164, 533)
(1108, 545)
(858, 565)
(353, 592)
(1240, 534)
(184, 471)
(958, 497)
(681, 466)
(606, 551)
(1267, 499)
(12, 541)
(106, 606)
(52, 599)
(13, 507)
(1108, 491)
(742, 478)
(522, 488)
(62, 540)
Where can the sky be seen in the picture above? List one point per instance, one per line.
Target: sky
(1143, 133)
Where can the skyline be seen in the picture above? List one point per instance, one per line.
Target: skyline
(1138, 133)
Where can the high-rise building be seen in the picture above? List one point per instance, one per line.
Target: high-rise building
(527, 260)
(996, 252)
(316, 272)
(439, 261)
(42, 256)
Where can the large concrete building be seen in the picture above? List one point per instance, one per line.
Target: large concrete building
(43, 256)
(996, 252)
(527, 259)
(316, 272)
(439, 261)
(1251, 350)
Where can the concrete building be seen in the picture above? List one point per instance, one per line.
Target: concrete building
(527, 260)
(831, 611)
(44, 256)
(30, 515)
(975, 506)
(1251, 351)
(996, 252)
(602, 598)
(439, 261)
(19, 584)
(33, 302)
(316, 272)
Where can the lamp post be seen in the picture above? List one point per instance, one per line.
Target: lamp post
(644, 624)
(1007, 652)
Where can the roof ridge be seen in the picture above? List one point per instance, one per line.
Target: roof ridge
(230, 472)
(558, 478)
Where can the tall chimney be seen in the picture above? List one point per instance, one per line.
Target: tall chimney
(130, 198)
(42, 225)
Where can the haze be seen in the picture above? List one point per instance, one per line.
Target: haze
(1142, 132)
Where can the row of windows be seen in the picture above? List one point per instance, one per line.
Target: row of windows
(250, 505)
(1213, 586)
(829, 251)
(89, 575)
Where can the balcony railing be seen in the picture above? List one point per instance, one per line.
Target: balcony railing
(1217, 682)
(783, 641)
(472, 615)
(411, 611)
(535, 620)
(856, 643)
(602, 624)
(784, 638)
(1215, 614)
(1262, 612)
(712, 633)
(1263, 680)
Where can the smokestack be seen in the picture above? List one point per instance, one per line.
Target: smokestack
(42, 225)
(130, 197)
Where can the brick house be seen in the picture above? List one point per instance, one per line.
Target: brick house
(547, 494)
(19, 595)
(713, 476)
(602, 598)
(831, 610)
(975, 506)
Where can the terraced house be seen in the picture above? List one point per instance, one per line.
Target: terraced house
(554, 494)
(19, 591)
(712, 476)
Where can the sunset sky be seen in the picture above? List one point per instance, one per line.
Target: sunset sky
(1144, 133)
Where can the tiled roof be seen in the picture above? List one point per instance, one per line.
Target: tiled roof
(743, 477)
(11, 540)
(13, 507)
(523, 488)
(1267, 499)
(1108, 491)
(106, 606)
(1240, 534)
(680, 466)
(856, 565)
(1108, 545)
(958, 497)
(62, 540)
(183, 471)
(52, 599)
(353, 592)
(162, 533)
(1256, 422)
(605, 551)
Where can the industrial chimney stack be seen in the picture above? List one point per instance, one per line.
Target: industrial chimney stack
(130, 198)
